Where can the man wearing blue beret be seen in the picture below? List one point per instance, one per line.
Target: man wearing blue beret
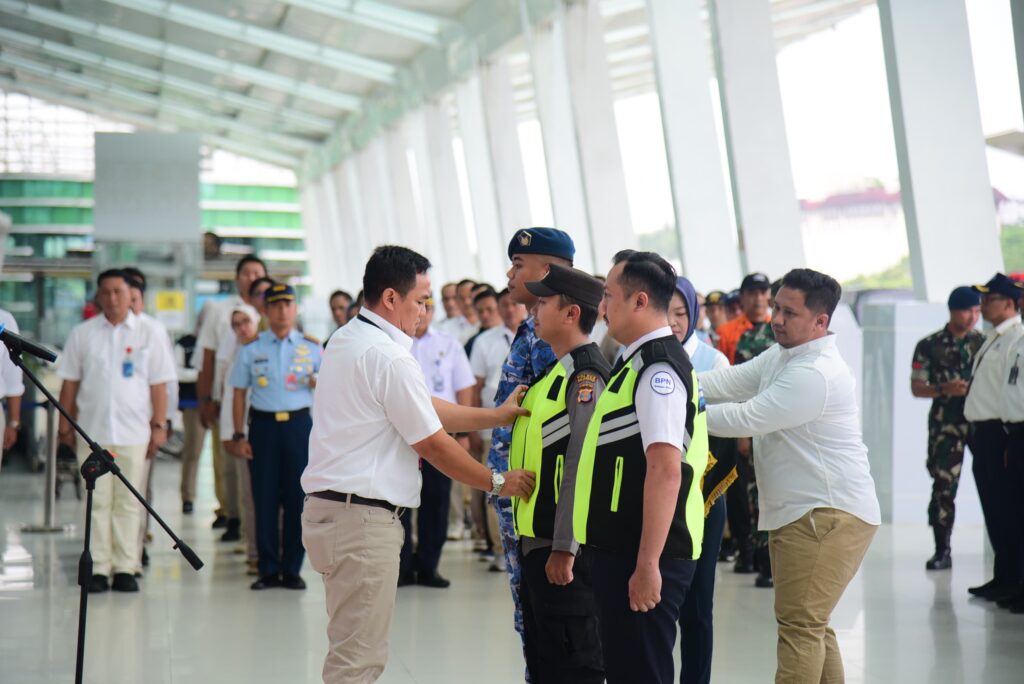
(531, 251)
(940, 371)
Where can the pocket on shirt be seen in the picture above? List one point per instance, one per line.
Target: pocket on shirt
(320, 541)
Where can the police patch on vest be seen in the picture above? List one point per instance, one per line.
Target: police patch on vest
(662, 383)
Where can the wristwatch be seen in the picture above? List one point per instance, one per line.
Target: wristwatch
(497, 483)
(158, 426)
(237, 436)
(14, 424)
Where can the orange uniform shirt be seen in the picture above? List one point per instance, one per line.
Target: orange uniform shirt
(729, 333)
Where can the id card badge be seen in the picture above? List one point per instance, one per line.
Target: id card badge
(127, 368)
(1014, 373)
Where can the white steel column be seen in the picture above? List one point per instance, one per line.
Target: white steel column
(506, 156)
(401, 194)
(767, 213)
(309, 200)
(611, 225)
(710, 255)
(378, 211)
(561, 148)
(481, 176)
(360, 240)
(944, 181)
(339, 268)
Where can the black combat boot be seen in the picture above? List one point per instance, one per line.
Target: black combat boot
(942, 559)
(745, 558)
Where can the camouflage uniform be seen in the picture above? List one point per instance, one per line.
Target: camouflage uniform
(939, 358)
(750, 345)
(527, 360)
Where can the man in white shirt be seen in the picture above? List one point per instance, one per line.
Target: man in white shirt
(215, 331)
(489, 353)
(12, 386)
(373, 419)
(449, 377)
(1013, 423)
(464, 323)
(984, 411)
(115, 369)
(817, 497)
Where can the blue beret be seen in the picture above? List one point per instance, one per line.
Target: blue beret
(1000, 284)
(547, 241)
(964, 297)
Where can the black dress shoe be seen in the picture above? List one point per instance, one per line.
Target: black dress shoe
(983, 589)
(145, 558)
(1007, 601)
(1007, 591)
(99, 584)
(266, 582)
(233, 531)
(219, 522)
(124, 581)
(1017, 608)
(406, 578)
(186, 507)
(764, 581)
(434, 580)
(293, 582)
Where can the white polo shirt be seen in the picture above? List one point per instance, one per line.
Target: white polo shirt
(114, 405)
(11, 382)
(370, 406)
(991, 371)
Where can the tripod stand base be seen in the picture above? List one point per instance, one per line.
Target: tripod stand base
(44, 529)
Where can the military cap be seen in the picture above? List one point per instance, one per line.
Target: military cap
(280, 293)
(964, 297)
(547, 241)
(571, 282)
(1000, 284)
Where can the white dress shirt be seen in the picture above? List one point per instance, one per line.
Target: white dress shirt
(444, 363)
(459, 328)
(991, 371)
(11, 382)
(216, 328)
(114, 407)
(370, 406)
(172, 385)
(1013, 384)
(488, 356)
(800, 407)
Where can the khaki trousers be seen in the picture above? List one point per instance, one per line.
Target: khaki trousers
(115, 512)
(814, 559)
(195, 433)
(355, 549)
(219, 458)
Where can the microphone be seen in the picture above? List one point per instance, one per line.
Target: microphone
(16, 342)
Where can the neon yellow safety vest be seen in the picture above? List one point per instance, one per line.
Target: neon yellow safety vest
(539, 441)
(609, 500)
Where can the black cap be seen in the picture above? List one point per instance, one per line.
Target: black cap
(547, 241)
(1002, 285)
(755, 281)
(714, 298)
(571, 282)
(732, 297)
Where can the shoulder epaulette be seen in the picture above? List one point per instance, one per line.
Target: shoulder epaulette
(310, 338)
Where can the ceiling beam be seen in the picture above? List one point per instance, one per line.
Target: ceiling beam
(194, 58)
(241, 102)
(264, 38)
(204, 120)
(142, 121)
(420, 27)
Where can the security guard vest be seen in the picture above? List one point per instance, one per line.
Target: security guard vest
(609, 502)
(539, 441)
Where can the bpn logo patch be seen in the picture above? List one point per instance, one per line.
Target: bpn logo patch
(662, 383)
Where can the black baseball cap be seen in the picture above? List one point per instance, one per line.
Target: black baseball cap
(572, 282)
(733, 297)
(755, 281)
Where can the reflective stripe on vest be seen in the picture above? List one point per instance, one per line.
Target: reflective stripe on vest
(608, 504)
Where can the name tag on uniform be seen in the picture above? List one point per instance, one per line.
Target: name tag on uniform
(282, 416)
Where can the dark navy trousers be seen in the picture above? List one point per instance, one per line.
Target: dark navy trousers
(695, 622)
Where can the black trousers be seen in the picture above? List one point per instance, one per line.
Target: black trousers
(280, 452)
(988, 443)
(431, 524)
(741, 528)
(1015, 487)
(696, 621)
(560, 623)
(638, 647)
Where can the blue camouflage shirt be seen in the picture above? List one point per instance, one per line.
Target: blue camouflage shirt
(527, 360)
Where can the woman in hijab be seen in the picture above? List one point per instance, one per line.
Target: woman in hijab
(695, 619)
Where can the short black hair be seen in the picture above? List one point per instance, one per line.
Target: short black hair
(485, 294)
(136, 278)
(776, 286)
(821, 292)
(392, 266)
(339, 293)
(647, 272)
(259, 281)
(588, 313)
(504, 293)
(465, 281)
(113, 273)
(249, 259)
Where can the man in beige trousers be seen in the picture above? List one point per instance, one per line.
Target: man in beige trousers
(373, 419)
(817, 497)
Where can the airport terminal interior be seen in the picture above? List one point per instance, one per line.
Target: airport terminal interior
(880, 142)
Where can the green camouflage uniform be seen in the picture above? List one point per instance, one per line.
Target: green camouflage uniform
(750, 345)
(939, 358)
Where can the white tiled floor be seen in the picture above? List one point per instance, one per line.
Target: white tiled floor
(896, 624)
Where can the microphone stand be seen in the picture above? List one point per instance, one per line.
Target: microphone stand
(99, 462)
